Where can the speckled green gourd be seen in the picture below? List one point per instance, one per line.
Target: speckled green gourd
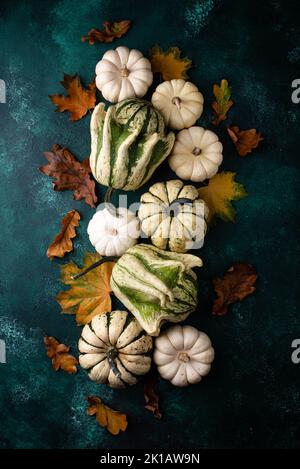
(128, 142)
(155, 285)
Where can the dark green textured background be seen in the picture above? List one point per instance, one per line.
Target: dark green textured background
(252, 396)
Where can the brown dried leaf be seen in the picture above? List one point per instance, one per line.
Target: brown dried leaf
(111, 30)
(236, 285)
(113, 420)
(151, 398)
(223, 103)
(61, 359)
(63, 241)
(78, 100)
(70, 174)
(244, 140)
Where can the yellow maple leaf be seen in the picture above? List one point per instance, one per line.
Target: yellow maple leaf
(169, 63)
(88, 295)
(219, 193)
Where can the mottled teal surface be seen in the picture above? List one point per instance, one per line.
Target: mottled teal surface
(252, 396)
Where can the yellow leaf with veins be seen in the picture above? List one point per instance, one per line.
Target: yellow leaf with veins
(88, 295)
(221, 190)
(169, 63)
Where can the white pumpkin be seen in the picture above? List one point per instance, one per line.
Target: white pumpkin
(112, 232)
(179, 101)
(183, 355)
(122, 74)
(115, 349)
(173, 216)
(196, 155)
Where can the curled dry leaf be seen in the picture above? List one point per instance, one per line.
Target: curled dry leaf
(88, 295)
(111, 31)
(113, 420)
(237, 284)
(221, 190)
(78, 100)
(223, 103)
(245, 140)
(151, 397)
(60, 356)
(169, 63)
(63, 241)
(70, 174)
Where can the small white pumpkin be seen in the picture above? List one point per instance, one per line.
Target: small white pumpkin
(115, 349)
(180, 103)
(196, 155)
(183, 355)
(122, 74)
(112, 232)
(173, 216)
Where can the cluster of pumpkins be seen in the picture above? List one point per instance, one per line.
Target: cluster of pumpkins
(155, 282)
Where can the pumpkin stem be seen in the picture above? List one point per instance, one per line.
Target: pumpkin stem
(111, 357)
(196, 151)
(174, 206)
(93, 266)
(183, 357)
(108, 195)
(177, 101)
(124, 71)
(108, 204)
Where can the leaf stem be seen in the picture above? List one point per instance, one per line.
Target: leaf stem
(93, 266)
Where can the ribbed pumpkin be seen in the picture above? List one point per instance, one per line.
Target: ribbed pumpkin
(155, 285)
(173, 216)
(128, 142)
(114, 349)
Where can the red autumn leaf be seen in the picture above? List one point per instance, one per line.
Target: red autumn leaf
(237, 283)
(111, 30)
(244, 140)
(70, 174)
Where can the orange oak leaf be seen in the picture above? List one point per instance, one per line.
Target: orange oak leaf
(63, 241)
(223, 103)
(244, 140)
(60, 356)
(111, 31)
(78, 100)
(70, 174)
(89, 295)
(151, 397)
(113, 420)
(169, 63)
(237, 283)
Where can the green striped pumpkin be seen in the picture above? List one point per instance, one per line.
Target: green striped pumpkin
(156, 285)
(115, 349)
(128, 142)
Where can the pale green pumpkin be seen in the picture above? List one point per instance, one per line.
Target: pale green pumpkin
(155, 285)
(128, 142)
